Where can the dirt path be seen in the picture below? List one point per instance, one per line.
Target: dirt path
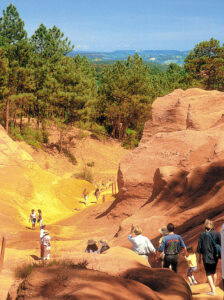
(199, 292)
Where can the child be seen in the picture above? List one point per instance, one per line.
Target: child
(192, 263)
(40, 219)
(33, 218)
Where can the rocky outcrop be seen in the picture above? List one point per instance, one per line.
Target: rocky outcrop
(68, 281)
(186, 130)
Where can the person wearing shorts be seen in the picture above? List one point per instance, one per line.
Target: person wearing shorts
(33, 218)
(191, 259)
(207, 251)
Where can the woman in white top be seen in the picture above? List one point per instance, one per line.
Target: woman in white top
(33, 218)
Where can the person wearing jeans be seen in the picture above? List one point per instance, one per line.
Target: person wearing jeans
(171, 245)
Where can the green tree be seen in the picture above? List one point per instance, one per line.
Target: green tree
(205, 64)
(125, 96)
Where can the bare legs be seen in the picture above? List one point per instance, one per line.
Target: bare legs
(212, 281)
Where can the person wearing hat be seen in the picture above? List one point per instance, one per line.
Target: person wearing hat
(91, 246)
(164, 232)
(104, 246)
(42, 230)
(141, 244)
(46, 244)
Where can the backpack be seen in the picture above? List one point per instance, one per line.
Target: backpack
(217, 246)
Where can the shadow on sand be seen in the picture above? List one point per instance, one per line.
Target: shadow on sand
(35, 257)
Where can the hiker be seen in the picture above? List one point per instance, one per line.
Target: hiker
(33, 218)
(141, 244)
(85, 195)
(104, 246)
(91, 247)
(97, 194)
(192, 264)
(207, 250)
(171, 246)
(40, 218)
(46, 245)
(163, 231)
(42, 230)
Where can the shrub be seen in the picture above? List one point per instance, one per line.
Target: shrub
(33, 137)
(15, 133)
(86, 174)
(70, 156)
(82, 134)
(25, 270)
(130, 141)
(98, 131)
(91, 164)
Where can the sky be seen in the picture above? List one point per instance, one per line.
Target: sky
(108, 25)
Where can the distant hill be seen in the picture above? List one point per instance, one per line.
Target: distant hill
(157, 56)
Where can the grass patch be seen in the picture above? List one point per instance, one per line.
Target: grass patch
(82, 134)
(85, 174)
(32, 136)
(23, 271)
(70, 156)
(91, 164)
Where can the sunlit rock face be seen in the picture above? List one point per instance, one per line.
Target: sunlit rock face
(185, 130)
(24, 185)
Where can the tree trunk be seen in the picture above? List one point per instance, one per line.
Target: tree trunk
(60, 141)
(7, 115)
(21, 124)
(14, 120)
(29, 115)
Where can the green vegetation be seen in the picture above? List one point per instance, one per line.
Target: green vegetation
(23, 271)
(32, 136)
(91, 164)
(86, 174)
(70, 156)
(38, 80)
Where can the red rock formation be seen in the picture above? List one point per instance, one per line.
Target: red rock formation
(186, 130)
(67, 282)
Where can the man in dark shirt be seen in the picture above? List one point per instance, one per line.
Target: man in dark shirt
(207, 251)
(171, 245)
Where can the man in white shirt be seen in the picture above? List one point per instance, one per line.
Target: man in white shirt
(141, 244)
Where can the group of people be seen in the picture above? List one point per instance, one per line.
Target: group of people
(85, 194)
(92, 246)
(45, 238)
(172, 244)
(36, 218)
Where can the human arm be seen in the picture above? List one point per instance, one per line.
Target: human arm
(130, 237)
(182, 246)
(160, 250)
(150, 246)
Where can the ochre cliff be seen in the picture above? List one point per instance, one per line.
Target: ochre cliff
(186, 130)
